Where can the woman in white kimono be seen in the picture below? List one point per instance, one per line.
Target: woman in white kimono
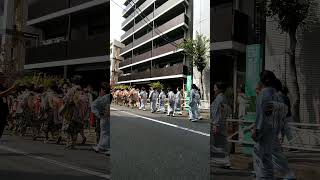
(194, 104)
(171, 99)
(177, 103)
(153, 100)
(270, 114)
(162, 98)
(101, 108)
(144, 96)
(219, 113)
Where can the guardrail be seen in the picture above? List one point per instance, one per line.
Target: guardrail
(306, 136)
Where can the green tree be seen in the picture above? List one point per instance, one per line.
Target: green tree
(291, 15)
(198, 49)
(156, 85)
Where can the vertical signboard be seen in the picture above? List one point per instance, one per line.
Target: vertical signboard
(253, 68)
(188, 89)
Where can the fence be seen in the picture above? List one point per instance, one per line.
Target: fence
(306, 136)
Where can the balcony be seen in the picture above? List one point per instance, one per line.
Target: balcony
(67, 50)
(47, 53)
(44, 7)
(127, 47)
(166, 48)
(163, 8)
(135, 76)
(137, 11)
(88, 48)
(142, 39)
(234, 26)
(142, 57)
(126, 62)
(128, 7)
(175, 22)
(124, 78)
(166, 6)
(169, 71)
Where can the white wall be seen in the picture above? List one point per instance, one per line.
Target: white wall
(201, 24)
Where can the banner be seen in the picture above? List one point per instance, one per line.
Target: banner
(253, 68)
(188, 89)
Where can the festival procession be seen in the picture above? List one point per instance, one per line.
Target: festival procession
(56, 109)
(160, 100)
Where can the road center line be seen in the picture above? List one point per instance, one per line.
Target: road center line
(50, 161)
(165, 123)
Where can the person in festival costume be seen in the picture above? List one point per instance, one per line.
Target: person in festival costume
(101, 108)
(71, 114)
(36, 123)
(27, 108)
(153, 100)
(162, 98)
(177, 103)
(171, 99)
(144, 96)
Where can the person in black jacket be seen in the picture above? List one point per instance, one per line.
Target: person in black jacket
(4, 112)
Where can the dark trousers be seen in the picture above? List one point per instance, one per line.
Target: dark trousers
(2, 126)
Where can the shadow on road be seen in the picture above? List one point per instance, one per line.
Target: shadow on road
(31, 154)
(14, 175)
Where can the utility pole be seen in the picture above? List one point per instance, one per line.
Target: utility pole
(12, 45)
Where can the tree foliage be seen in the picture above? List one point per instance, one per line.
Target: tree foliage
(198, 49)
(290, 14)
(156, 85)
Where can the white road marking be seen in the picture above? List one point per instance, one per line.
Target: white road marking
(165, 123)
(50, 161)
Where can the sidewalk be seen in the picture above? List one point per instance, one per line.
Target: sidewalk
(304, 164)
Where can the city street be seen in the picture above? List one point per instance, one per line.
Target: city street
(154, 146)
(22, 158)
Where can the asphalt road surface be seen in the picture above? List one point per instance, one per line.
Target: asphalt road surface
(147, 146)
(22, 158)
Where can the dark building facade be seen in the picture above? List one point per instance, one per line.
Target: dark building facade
(153, 29)
(235, 24)
(73, 37)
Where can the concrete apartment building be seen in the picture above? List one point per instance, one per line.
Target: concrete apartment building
(153, 29)
(73, 38)
(235, 25)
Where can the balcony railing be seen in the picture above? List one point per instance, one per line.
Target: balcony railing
(141, 75)
(127, 47)
(169, 4)
(182, 18)
(164, 7)
(129, 6)
(125, 78)
(137, 11)
(142, 39)
(163, 28)
(67, 50)
(233, 28)
(47, 53)
(45, 7)
(169, 71)
(166, 48)
(178, 69)
(141, 57)
(88, 48)
(125, 62)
